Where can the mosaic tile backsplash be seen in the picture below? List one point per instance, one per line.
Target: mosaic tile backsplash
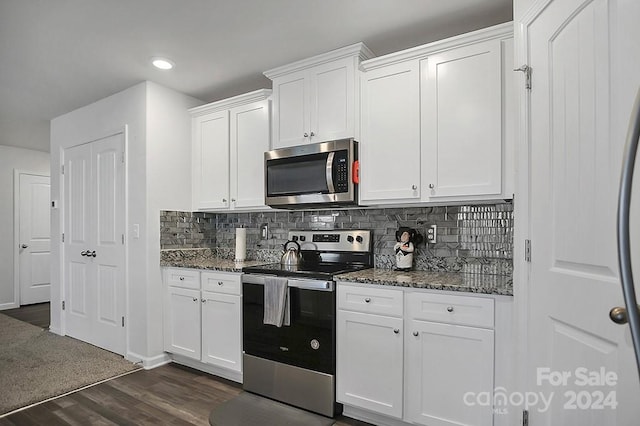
(470, 238)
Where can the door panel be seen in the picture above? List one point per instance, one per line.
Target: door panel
(34, 239)
(94, 206)
(574, 172)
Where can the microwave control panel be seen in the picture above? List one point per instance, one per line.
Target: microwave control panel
(341, 168)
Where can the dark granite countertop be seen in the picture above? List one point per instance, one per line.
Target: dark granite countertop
(207, 259)
(451, 281)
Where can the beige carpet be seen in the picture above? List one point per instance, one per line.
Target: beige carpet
(36, 365)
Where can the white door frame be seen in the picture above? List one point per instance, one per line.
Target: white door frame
(16, 233)
(61, 206)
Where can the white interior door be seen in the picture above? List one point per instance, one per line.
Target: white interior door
(94, 243)
(578, 358)
(34, 239)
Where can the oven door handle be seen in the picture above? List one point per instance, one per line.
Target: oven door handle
(319, 285)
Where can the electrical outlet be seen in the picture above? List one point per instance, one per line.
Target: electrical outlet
(432, 234)
(264, 231)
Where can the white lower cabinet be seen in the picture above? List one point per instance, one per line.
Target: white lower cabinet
(204, 324)
(424, 360)
(448, 367)
(372, 382)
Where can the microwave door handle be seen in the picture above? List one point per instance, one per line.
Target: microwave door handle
(329, 173)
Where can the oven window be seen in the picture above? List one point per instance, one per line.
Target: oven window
(312, 316)
(298, 175)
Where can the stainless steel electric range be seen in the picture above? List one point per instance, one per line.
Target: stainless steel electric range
(296, 363)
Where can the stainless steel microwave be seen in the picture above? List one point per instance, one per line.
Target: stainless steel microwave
(323, 174)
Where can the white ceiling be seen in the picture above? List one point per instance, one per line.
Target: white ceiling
(56, 56)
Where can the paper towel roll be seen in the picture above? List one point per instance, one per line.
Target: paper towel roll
(241, 244)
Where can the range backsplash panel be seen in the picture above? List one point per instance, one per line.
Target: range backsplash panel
(470, 238)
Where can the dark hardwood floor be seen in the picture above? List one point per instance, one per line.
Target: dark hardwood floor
(38, 314)
(167, 395)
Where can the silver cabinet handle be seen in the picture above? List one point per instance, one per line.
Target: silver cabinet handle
(84, 253)
(24, 246)
(449, 308)
(415, 333)
(367, 300)
(396, 330)
(306, 135)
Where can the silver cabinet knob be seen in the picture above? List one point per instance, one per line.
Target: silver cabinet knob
(195, 299)
(449, 308)
(414, 187)
(224, 200)
(220, 283)
(24, 246)
(204, 300)
(306, 135)
(367, 300)
(92, 254)
(312, 134)
(396, 330)
(181, 278)
(415, 333)
(431, 186)
(233, 200)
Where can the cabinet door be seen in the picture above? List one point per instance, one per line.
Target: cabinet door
(211, 160)
(332, 99)
(182, 322)
(447, 367)
(363, 380)
(462, 121)
(222, 330)
(249, 140)
(390, 145)
(291, 110)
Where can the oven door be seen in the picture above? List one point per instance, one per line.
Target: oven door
(309, 341)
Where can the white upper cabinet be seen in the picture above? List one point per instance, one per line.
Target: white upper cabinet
(436, 121)
(316, 99)
(229, 141)
(390, 148)
(462, 121)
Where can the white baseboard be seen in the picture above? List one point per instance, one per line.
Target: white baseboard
(11, 305)
(234, 376)
(369, 417)
(55, 330)
(148, 363)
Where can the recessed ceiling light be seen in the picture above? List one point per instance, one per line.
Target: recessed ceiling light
(162, 63)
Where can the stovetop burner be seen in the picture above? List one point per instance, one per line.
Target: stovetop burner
(325, 254)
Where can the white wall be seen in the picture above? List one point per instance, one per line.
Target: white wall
(158, 177)
(168, 186)
(89, 123)
(22, 159)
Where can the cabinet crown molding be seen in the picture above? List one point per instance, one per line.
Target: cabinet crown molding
(495, 32)
(246, 98)
(357, 50)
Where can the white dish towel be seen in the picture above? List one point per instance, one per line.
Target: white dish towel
(276, 301)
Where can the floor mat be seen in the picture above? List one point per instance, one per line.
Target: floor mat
(248, 409)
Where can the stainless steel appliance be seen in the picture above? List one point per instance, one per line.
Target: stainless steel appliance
(296, 363)
(320, 174)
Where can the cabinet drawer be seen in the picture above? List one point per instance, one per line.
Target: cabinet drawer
(370, 300)
(445, 308)
(185, 278)
(221, 283)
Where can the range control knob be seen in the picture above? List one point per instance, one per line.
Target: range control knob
(294, 238)
(359, 238)
(302, 238)
(350, 238)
